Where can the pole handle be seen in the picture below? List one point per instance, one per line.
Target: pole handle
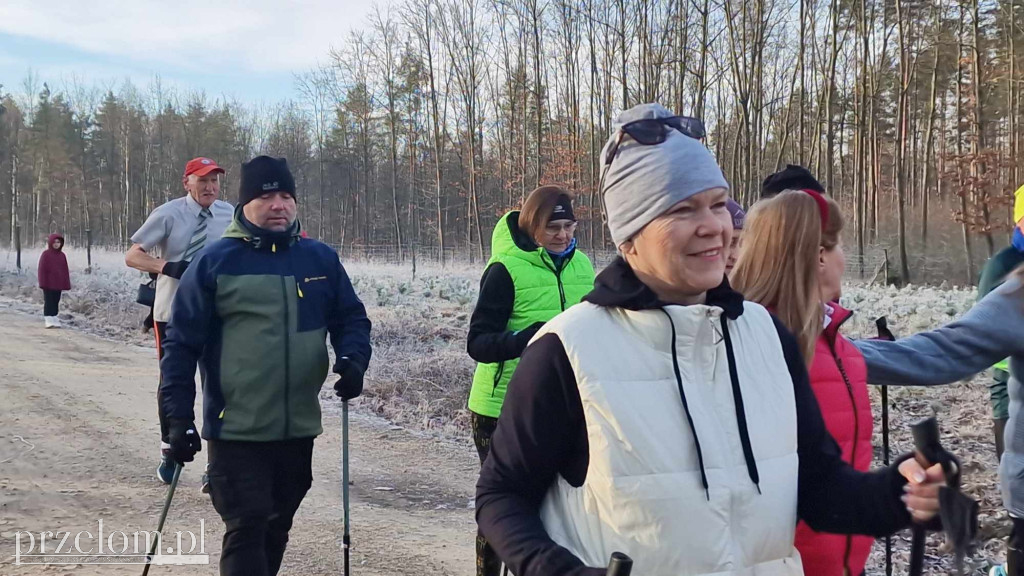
(929, 449)
(619, 565)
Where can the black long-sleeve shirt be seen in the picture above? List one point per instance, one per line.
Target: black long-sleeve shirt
(489, 339)
(542, 434)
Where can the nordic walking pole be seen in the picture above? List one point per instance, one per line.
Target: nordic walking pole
(163, 516)
(885, 460)
(619, 565)
(345, 539)
(926, 443)
(885, 334)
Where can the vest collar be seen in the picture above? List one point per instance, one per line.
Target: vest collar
(617, 286)
(836, 319)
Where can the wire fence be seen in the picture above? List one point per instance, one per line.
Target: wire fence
(875, 265)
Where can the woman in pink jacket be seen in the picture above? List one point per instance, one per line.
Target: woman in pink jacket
(792, 262)
(54, 278)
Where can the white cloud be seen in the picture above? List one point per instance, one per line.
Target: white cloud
(232, 35)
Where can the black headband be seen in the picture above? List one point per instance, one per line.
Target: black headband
(562, 209)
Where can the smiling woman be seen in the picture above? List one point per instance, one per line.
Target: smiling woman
(626, 428)
(681, 254)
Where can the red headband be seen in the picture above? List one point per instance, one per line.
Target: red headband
(822, 206)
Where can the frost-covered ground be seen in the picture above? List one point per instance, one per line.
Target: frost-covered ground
(420, 373)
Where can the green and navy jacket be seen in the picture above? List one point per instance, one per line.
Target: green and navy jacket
(521, 288)
(254, 310)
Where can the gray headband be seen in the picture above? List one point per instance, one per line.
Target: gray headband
(644, 182)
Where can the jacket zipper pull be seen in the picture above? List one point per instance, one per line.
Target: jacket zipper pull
(273, 247)
(718, 337)
(299, 289)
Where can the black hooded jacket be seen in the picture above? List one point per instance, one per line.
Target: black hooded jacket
(542, 434)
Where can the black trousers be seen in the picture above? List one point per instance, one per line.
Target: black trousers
(1015, 548)
(51, 302)
(487, 561)
(160, 333)
(256, 487)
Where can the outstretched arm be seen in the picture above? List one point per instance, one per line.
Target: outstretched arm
(989, 332)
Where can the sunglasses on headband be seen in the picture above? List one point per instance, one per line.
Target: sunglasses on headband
(650, 132)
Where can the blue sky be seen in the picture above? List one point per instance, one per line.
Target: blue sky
(244, 49)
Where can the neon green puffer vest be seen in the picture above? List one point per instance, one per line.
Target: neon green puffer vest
(541, 293)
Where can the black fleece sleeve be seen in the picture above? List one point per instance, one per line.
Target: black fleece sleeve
(541, 434)
(831, 495)
(490, 340)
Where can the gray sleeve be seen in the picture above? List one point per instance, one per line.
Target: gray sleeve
(153, 231)
(989, 332)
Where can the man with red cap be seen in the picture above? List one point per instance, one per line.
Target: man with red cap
(166, 243)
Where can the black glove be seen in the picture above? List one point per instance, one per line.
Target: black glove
(175, 269)
(184, 440)
(524, 336)
(350, 384)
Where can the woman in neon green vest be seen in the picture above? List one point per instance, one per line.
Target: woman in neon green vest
(535, 272)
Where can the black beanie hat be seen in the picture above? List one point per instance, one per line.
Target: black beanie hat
(792, 177)
(262, 175)
(562, 209)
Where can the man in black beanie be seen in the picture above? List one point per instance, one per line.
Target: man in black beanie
(792, 177)
(254, 311)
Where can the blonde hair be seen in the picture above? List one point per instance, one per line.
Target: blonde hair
(778, 262)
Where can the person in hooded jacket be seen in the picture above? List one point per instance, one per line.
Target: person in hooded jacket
(666, 418)
(987, 333)
(535, 272)
(54, 278)
(254, 312)
(793, 265)
(992, 275)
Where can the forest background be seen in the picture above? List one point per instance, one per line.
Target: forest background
(421, 128)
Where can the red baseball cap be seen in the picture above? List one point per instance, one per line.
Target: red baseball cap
(201, 167)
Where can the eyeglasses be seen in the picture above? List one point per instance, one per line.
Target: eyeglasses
(651, 132)
(554, 229)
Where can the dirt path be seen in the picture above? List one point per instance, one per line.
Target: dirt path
(78, 443)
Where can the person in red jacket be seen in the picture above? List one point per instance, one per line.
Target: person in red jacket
(792, 262)
(54, 278)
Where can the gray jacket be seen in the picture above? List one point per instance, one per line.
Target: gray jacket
(992, 330)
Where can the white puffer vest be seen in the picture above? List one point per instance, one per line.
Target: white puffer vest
(643, 493)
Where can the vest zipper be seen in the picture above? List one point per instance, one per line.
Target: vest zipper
(561, 289)
(558, 277)
(497, 377)
(856, 434)
(287, 335)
